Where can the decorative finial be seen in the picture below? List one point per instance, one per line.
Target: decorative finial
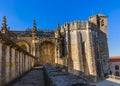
(58, 27)
(4, 25)
(34, 26)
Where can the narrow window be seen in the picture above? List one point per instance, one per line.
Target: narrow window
(116, 67)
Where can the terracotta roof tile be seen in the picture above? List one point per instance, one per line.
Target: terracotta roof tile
(115, 59)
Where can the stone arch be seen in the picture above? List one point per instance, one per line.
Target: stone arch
(47, 52)
(47, 40)
(23, 44)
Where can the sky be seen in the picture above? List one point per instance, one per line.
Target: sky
(48, 13)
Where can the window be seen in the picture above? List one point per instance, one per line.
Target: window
(102, 22)
(116, 73)
(116, 67)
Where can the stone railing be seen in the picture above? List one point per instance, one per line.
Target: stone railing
(55, 77)
(14, 61)
(29, 33)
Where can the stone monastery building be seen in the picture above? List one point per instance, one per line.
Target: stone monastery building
(81, 47)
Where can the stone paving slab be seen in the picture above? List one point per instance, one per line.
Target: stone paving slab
(109, 82)
(33, 78)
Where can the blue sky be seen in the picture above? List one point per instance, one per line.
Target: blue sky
(21, 13)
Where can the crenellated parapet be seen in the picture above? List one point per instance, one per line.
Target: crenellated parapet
(78, 25)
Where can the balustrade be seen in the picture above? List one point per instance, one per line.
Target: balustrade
(14, 61)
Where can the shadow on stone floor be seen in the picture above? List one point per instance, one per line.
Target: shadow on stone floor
(55, 76)
(33, 78)
(109, 82)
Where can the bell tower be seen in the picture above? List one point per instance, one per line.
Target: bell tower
(103, 23)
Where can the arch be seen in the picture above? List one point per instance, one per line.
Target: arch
(47, 53)
(42, 40)
(23, 44)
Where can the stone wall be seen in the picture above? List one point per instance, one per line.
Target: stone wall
(14, 61)
(80, 46)
(55, 77)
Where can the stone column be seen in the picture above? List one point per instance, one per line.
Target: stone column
(26, 62)
(32, 61)
(0, 63)
(10, 74)
(20, 63)
(56, 57)
(18, 55)
(13, 64)
(33, 48)
(23, 62)
(3, 64)
(8, 64)
(29, 62)
(16, 63)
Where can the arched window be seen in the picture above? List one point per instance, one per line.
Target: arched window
(116, 67)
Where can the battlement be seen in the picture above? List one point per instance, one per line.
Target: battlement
(80, 24)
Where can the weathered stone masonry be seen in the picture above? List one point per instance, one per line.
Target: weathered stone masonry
(14, 61)
(80, 47)
(85, 47)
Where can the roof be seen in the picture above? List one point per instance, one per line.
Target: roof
(115, 59)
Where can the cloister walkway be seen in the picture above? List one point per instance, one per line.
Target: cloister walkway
(33, 78)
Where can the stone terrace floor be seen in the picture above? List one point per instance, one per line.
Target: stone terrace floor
(33, 78)
(109, 82)
(36, 78)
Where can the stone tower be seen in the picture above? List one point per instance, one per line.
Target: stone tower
(86, 47)
(102, 40)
